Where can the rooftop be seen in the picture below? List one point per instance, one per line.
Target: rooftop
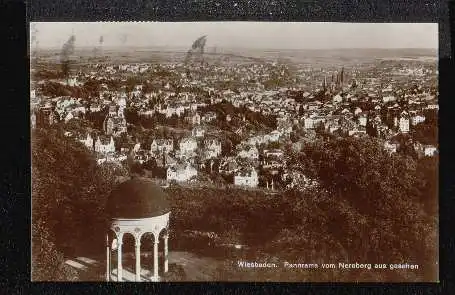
(137, 198)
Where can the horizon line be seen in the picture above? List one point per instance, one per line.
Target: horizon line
(238, 47)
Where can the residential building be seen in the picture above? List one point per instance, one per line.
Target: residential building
(213, 147)
(162, 145)
(249, 152)
(312, 121)
(337, 99)
(273, 153)
(198, 132)
(208, 117)
(417, 119)
(137, 148)
(404, 123)
(193, 119)
(188, 145)
(114, 123)
(274, 135)
(103, 146)
(430, 150)
(88, 142)
(363, 119)
(391, 147)
(246, 177)
(181, 172)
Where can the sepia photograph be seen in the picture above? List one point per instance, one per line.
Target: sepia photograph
(234, 151)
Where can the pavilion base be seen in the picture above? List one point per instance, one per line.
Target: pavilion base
(128, 276)
(155, 279)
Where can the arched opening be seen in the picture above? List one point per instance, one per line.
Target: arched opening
(128, 257)
(147, 244)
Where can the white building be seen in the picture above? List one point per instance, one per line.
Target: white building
(95, 108)
(417, 119)
(213, 147)
(274, 135)
(312, 121)
(181, 173)
(68, 117)
(88, 142)
(162, 145)
(102, 148)
(72, 82)
(363, 119)
(137, 147)
(195, 119)
(357, 111)
(249, 152)
(388, 98)
(198, 132)
(430, 150)
(337, 99)
(249, 177)
(188, 145)
(403, 123)
(274, 153)
(391, 147)
(208, 117)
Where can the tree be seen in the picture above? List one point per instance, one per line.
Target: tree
(150, 164)
(426, 133)
(131, 116)
(383, 191)
(69, 193)
(301, 110)
(47, 262)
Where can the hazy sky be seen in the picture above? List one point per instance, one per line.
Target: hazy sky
(267, 35)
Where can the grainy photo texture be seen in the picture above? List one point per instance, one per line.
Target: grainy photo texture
(234, 151)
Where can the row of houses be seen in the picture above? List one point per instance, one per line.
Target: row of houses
(335, 122)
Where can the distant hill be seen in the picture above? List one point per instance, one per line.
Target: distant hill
(303, 56)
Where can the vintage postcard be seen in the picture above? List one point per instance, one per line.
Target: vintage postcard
(234, 151)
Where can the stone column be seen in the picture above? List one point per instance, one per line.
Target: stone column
(166, 263)
(108, 258)
(119, 258)
(155, 259)
(138, 259)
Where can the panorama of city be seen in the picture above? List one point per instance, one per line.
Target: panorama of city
(208, 158)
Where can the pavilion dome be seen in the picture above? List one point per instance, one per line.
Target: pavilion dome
(137, 198)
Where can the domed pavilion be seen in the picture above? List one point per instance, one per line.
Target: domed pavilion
(136, 207)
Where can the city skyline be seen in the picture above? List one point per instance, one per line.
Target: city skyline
(238, 35)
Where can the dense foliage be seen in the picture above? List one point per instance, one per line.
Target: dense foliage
(69, 193)
(55, 89)
(394, 196)
(373, 208)
(427, 132)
